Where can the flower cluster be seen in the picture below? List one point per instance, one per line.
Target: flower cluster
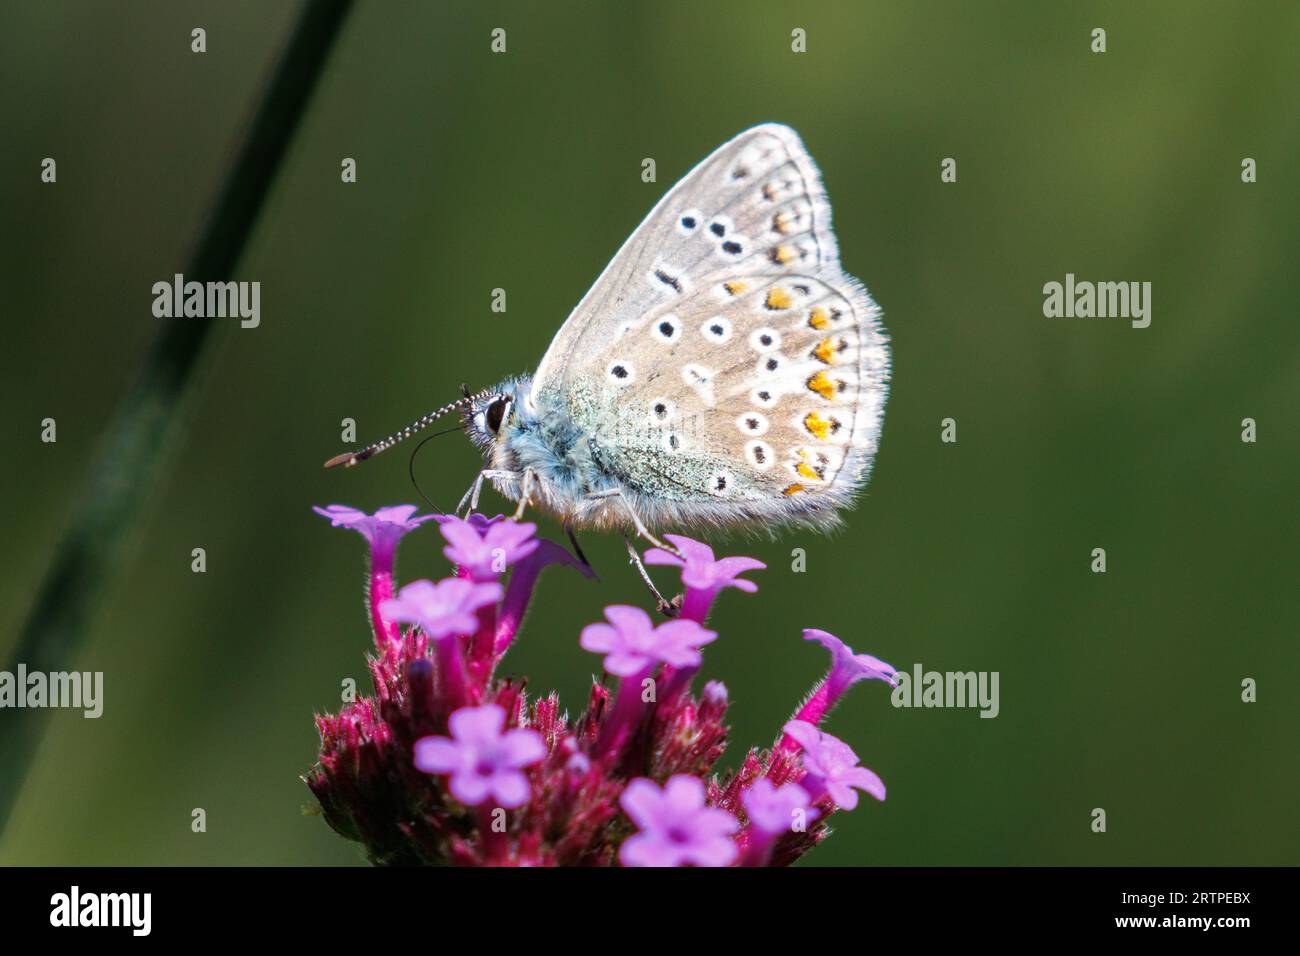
(450, 764)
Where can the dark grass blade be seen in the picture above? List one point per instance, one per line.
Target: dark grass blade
(128, 459)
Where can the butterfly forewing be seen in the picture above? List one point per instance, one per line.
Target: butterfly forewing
(723, 355)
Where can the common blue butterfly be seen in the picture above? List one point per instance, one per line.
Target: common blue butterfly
(722, 372)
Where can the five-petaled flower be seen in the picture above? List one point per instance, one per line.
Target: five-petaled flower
(484, 763)
(632, 643)
(773, 810)
(832, 766)
(702, 574)
(676, 827)
(443, 609)
(485, 549)
(383, 529)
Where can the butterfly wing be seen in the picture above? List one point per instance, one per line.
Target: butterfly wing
(726, 361)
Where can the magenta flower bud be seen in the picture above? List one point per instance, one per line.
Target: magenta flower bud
(675, 827)
(703, 576)
(714, 694)
(832, 767)
(484, 763)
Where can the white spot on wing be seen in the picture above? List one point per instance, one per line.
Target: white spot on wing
(717, 329)
(667, 328)
(620, 373)
(700, 379)
(765, 340)
(759, 454)
(661, 411)
(752, 423)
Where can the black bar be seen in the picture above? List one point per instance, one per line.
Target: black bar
(870, 909)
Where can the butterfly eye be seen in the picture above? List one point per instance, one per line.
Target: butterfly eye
(495, 413)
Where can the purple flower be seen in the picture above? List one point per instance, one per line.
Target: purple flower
(442, 609)
(702, 575)
(847, 668)
(484, 763)
(632, 644)
(383, 529)
(484, 548)
(676, 828)
(832, 766)
(422, 771)
(773, 810)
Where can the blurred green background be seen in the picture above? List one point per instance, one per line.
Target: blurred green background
(522, 171)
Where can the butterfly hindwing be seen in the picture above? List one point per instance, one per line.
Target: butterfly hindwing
(723, 355)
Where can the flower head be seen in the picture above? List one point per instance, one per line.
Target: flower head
(702, 574)
(772, 809)
(483, 762)
(484, 548)
(419, 772)
(832, 766)
(442, 609)
(383, 529)
(631, 643)
(676, 828)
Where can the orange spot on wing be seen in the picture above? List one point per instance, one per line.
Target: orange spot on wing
(823, 385)
(734, 287)
(782, 255)
(825, 351)
(820, 427)
(778, 298)
(793, 489)
(818, 319)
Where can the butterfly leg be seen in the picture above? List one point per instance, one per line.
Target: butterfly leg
(471, 496)
(641, 530)
(524, 492)
(666, 607)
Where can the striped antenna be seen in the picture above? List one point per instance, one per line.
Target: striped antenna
(350, 458)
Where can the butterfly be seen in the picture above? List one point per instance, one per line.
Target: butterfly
(722, 372)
